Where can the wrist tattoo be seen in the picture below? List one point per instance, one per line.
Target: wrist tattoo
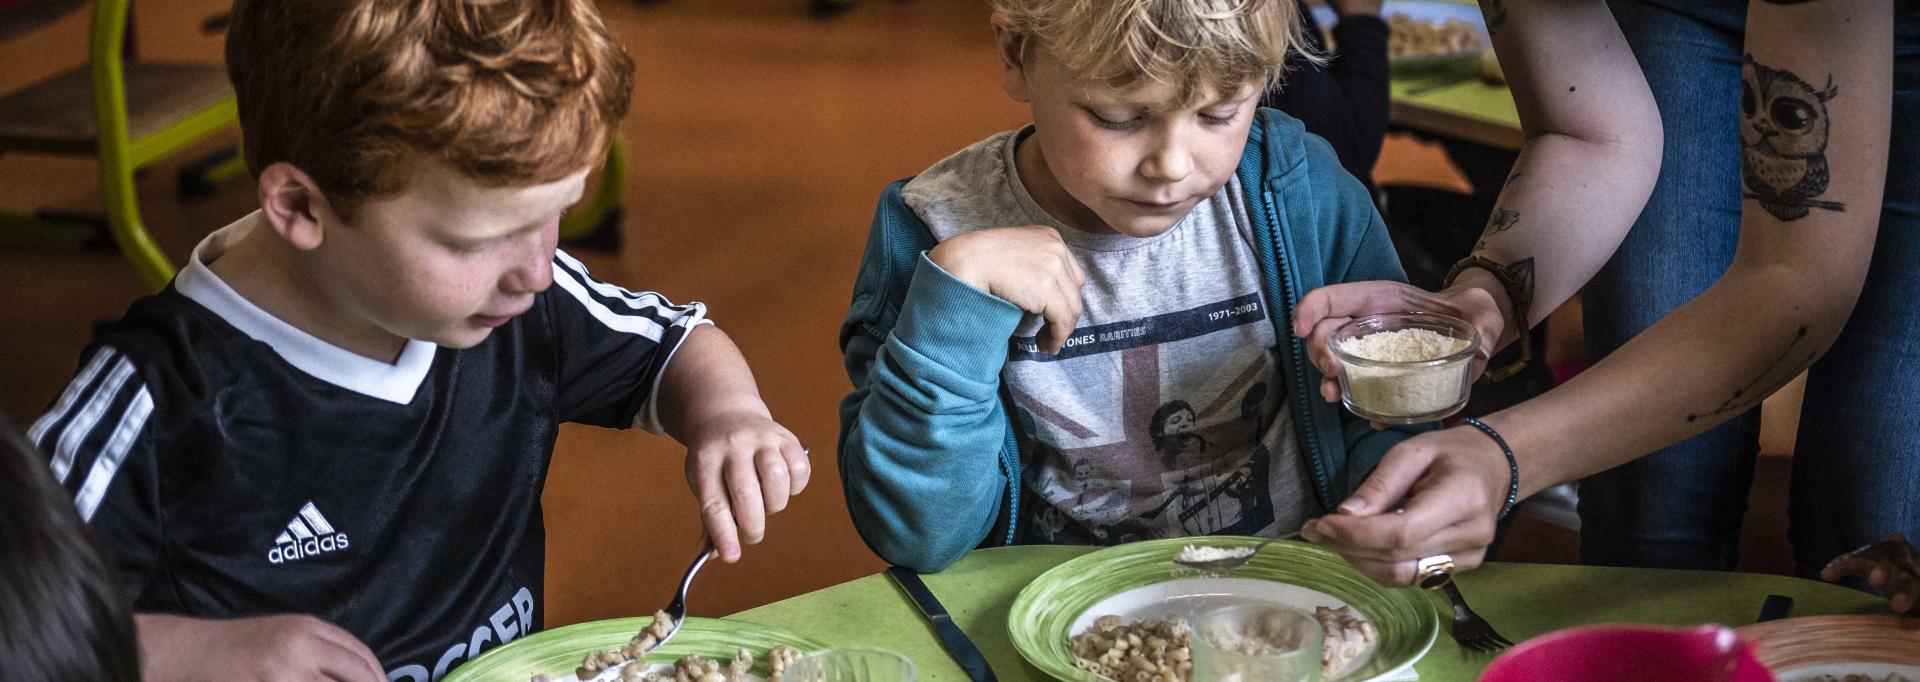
(1522, 273)
(1502, 219)
(1783, 140)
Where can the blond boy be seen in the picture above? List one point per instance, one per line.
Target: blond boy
(1075, 332)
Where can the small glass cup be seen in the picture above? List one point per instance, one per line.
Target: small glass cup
(851, 665)
(1256, 643)
(1405, 392)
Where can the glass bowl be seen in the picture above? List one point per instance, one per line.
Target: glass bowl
(1408, 391)
(1256, 642)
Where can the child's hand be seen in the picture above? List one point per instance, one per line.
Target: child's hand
(743, 466)
(1029, 267)
(1890, 565)
(286, 647)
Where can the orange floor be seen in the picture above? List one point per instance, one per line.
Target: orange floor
(760, 140)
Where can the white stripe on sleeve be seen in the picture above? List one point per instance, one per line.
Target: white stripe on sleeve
(637, 300)
(615, 321)
(89, 416)
(67, 397)
(101, 475)
(648, 417)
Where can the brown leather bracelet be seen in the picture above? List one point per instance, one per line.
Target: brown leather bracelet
(1519, 298)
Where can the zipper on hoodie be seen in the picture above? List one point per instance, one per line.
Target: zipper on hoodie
(1302, 411)
(1010, 466)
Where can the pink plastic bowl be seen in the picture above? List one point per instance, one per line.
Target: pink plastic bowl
(1630, 653)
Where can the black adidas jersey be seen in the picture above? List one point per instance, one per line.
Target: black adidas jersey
(238, 467)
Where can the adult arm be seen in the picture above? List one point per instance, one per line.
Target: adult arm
(1819, 84)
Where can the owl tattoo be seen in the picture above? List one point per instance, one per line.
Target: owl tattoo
(1783, 139)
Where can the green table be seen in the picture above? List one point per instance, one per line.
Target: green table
(1451, 100)
(1522, 600)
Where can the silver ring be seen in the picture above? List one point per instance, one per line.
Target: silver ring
(1431, 572)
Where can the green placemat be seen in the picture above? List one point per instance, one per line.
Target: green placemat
(1044, 612)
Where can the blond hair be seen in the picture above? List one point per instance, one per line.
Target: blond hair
(1191, 44)
(509, 92)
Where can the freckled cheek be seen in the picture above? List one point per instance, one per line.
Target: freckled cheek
(449, 292)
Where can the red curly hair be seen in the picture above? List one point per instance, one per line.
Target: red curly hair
(510, 92)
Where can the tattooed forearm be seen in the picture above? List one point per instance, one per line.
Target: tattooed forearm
(1503, 219)
(1777, 374)
(1783, 140)
(1521, 272)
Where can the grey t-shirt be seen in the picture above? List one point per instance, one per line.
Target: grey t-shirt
(1163, 416)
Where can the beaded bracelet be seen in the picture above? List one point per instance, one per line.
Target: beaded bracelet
(1513, 467)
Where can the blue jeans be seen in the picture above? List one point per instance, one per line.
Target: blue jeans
(1856, 468)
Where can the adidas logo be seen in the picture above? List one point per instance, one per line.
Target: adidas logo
(307, 535)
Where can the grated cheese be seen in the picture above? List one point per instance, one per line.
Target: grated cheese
(1406, 391)
(1404, 345)
(1197, 553)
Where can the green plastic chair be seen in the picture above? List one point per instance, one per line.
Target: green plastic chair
(595, 223)
(128, 114)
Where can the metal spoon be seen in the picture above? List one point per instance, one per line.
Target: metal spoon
(677, 609)
(1232, 562)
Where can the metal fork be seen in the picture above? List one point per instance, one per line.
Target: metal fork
(1472, 631)
(677, 609)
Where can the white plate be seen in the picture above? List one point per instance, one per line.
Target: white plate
(1140, 580)
(557, 652)
(613, 674)
(1803, 649)
(1188, 598)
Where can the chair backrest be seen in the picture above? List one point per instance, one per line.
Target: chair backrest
(21, 16)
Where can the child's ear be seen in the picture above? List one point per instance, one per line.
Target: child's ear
(1013, 75)
(294, 205)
